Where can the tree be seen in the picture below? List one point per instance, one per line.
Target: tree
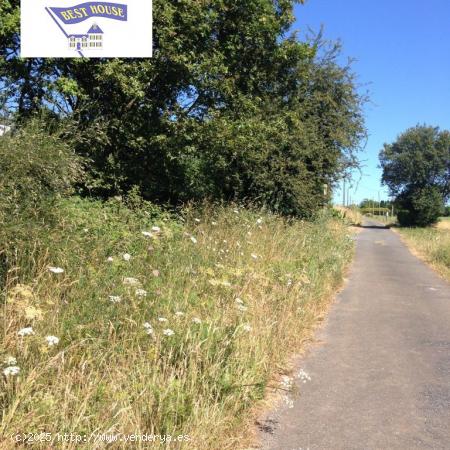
(230, 107)
(416, 168)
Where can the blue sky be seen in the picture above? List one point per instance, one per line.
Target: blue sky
(402, 48)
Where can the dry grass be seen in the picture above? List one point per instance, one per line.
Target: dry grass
(239, 290)
(352, 215)
(444, 224)
(430, 244)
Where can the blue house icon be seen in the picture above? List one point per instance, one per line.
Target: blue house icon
(92, 40)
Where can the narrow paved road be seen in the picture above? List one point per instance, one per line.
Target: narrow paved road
(380, 375)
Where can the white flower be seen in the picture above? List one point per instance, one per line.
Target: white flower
(254, 256)
(193, 239)
(148, 328)
(197, 320)
(115, 298)
(55, 269)
(259, 221)
(179, 314)
(289, 402)
(162, 319)
(110, 259)
(197, 220)
(126, 256)
(85, 230)
(303, 376)
(52, 340)
(131, 281)
(247, 327)
(286, 382)
(238, 300)
(214, 223)
(10, 361)
(11, 370)
(241, 307)
(156, 229)
(147, 234)
(28, 331)
(235, 211)
(141, 292)
(168, 332)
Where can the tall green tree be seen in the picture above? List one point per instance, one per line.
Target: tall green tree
(416, 168)
(230, 107)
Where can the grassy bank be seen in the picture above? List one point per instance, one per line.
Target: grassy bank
(431, 244)
(163, 325)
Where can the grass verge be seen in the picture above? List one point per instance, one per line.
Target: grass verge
(141, 323)
(432, 245)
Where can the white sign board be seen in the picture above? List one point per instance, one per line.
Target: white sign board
(91, 29)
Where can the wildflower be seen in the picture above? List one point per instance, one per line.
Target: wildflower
(213, 223)
(259, 221)
(162, 319)
(286, 382)
(11, 370)
(303, 376)
(147, 234)
(85, 230)
(52, 340)
(197, 220)
(110, 259)
(254, 256)
(28, 331)
(10, 361)
(193, 239)
(55, 269)
(115, 298)
(126, 256)
(131, 281)
(247, 328)
(289, 282)
(197, 320)
(156, 229)
(148, 328)
(236, 211)
(289, 402)
(168, 332)
(179, 314)
(141, 293)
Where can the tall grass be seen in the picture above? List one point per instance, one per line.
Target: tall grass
(205, 311)
(432, 244)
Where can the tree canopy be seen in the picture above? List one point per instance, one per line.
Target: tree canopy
(232, 106)
(416, 168)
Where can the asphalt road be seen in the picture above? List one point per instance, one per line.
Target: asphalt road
(380, 372)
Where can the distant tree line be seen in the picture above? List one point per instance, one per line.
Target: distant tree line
(231, 107)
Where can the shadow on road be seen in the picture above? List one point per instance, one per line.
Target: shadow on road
(379, 227)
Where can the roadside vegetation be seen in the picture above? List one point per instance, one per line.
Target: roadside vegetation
(166, 235)
(120, 316)
(432, 244)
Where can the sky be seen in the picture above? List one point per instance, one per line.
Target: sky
(402, 52)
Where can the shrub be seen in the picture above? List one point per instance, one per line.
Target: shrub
(420, 207)
(36, 167)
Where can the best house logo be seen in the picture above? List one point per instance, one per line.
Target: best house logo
(63, 28)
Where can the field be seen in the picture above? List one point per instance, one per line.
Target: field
(121, 318)
(432, 244)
